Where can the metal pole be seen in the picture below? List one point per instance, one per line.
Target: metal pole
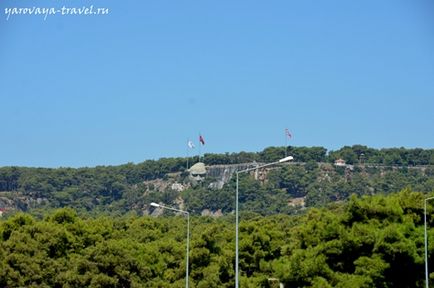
(286, 144)
(188, 235)
(237, 214)
(188, 152)
(236, 236)
(426, 246)
(188, 244)
(426, 242)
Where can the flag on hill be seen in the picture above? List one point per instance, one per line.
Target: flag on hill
(287, 133)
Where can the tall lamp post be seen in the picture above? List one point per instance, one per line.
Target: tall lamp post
(188, 234)
(286, 159)
(426, 242)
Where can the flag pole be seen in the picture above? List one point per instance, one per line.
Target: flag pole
(201, 142)
(199, 146)
(287, 135)
(286, 144)
(188, 153)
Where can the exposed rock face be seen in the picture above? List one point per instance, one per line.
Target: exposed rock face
(17, 201)
(223, 173)
(5, 205)
(207, 212)
(156, 212)
(6, 202)
(180, 202)
(177, 187)
(297, 202)
(216, 185)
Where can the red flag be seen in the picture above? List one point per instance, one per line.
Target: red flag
(201, 140)
(287, 133)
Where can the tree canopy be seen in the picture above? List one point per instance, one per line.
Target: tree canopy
(369, 241)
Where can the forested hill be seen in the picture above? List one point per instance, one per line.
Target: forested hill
(312, 180)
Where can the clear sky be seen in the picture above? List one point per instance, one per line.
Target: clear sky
(138, 82)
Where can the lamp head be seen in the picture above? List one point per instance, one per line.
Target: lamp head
(286, 159)
(155, 204)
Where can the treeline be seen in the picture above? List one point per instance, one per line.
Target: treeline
(375, 241)
(11, 178)
(119, 189)
(356, 154)
(388, 156)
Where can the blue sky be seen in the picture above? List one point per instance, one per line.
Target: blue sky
(137, 83)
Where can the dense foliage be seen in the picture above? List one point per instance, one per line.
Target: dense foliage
(352, 155)
(119, 189)
(369, 241)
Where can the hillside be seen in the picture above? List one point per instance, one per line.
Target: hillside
(313, 180)
(328, 219)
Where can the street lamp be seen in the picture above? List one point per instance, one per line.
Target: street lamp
(286, 159)
(426, 242)
(188, 234)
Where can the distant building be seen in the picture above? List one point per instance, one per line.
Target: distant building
(340, 162)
